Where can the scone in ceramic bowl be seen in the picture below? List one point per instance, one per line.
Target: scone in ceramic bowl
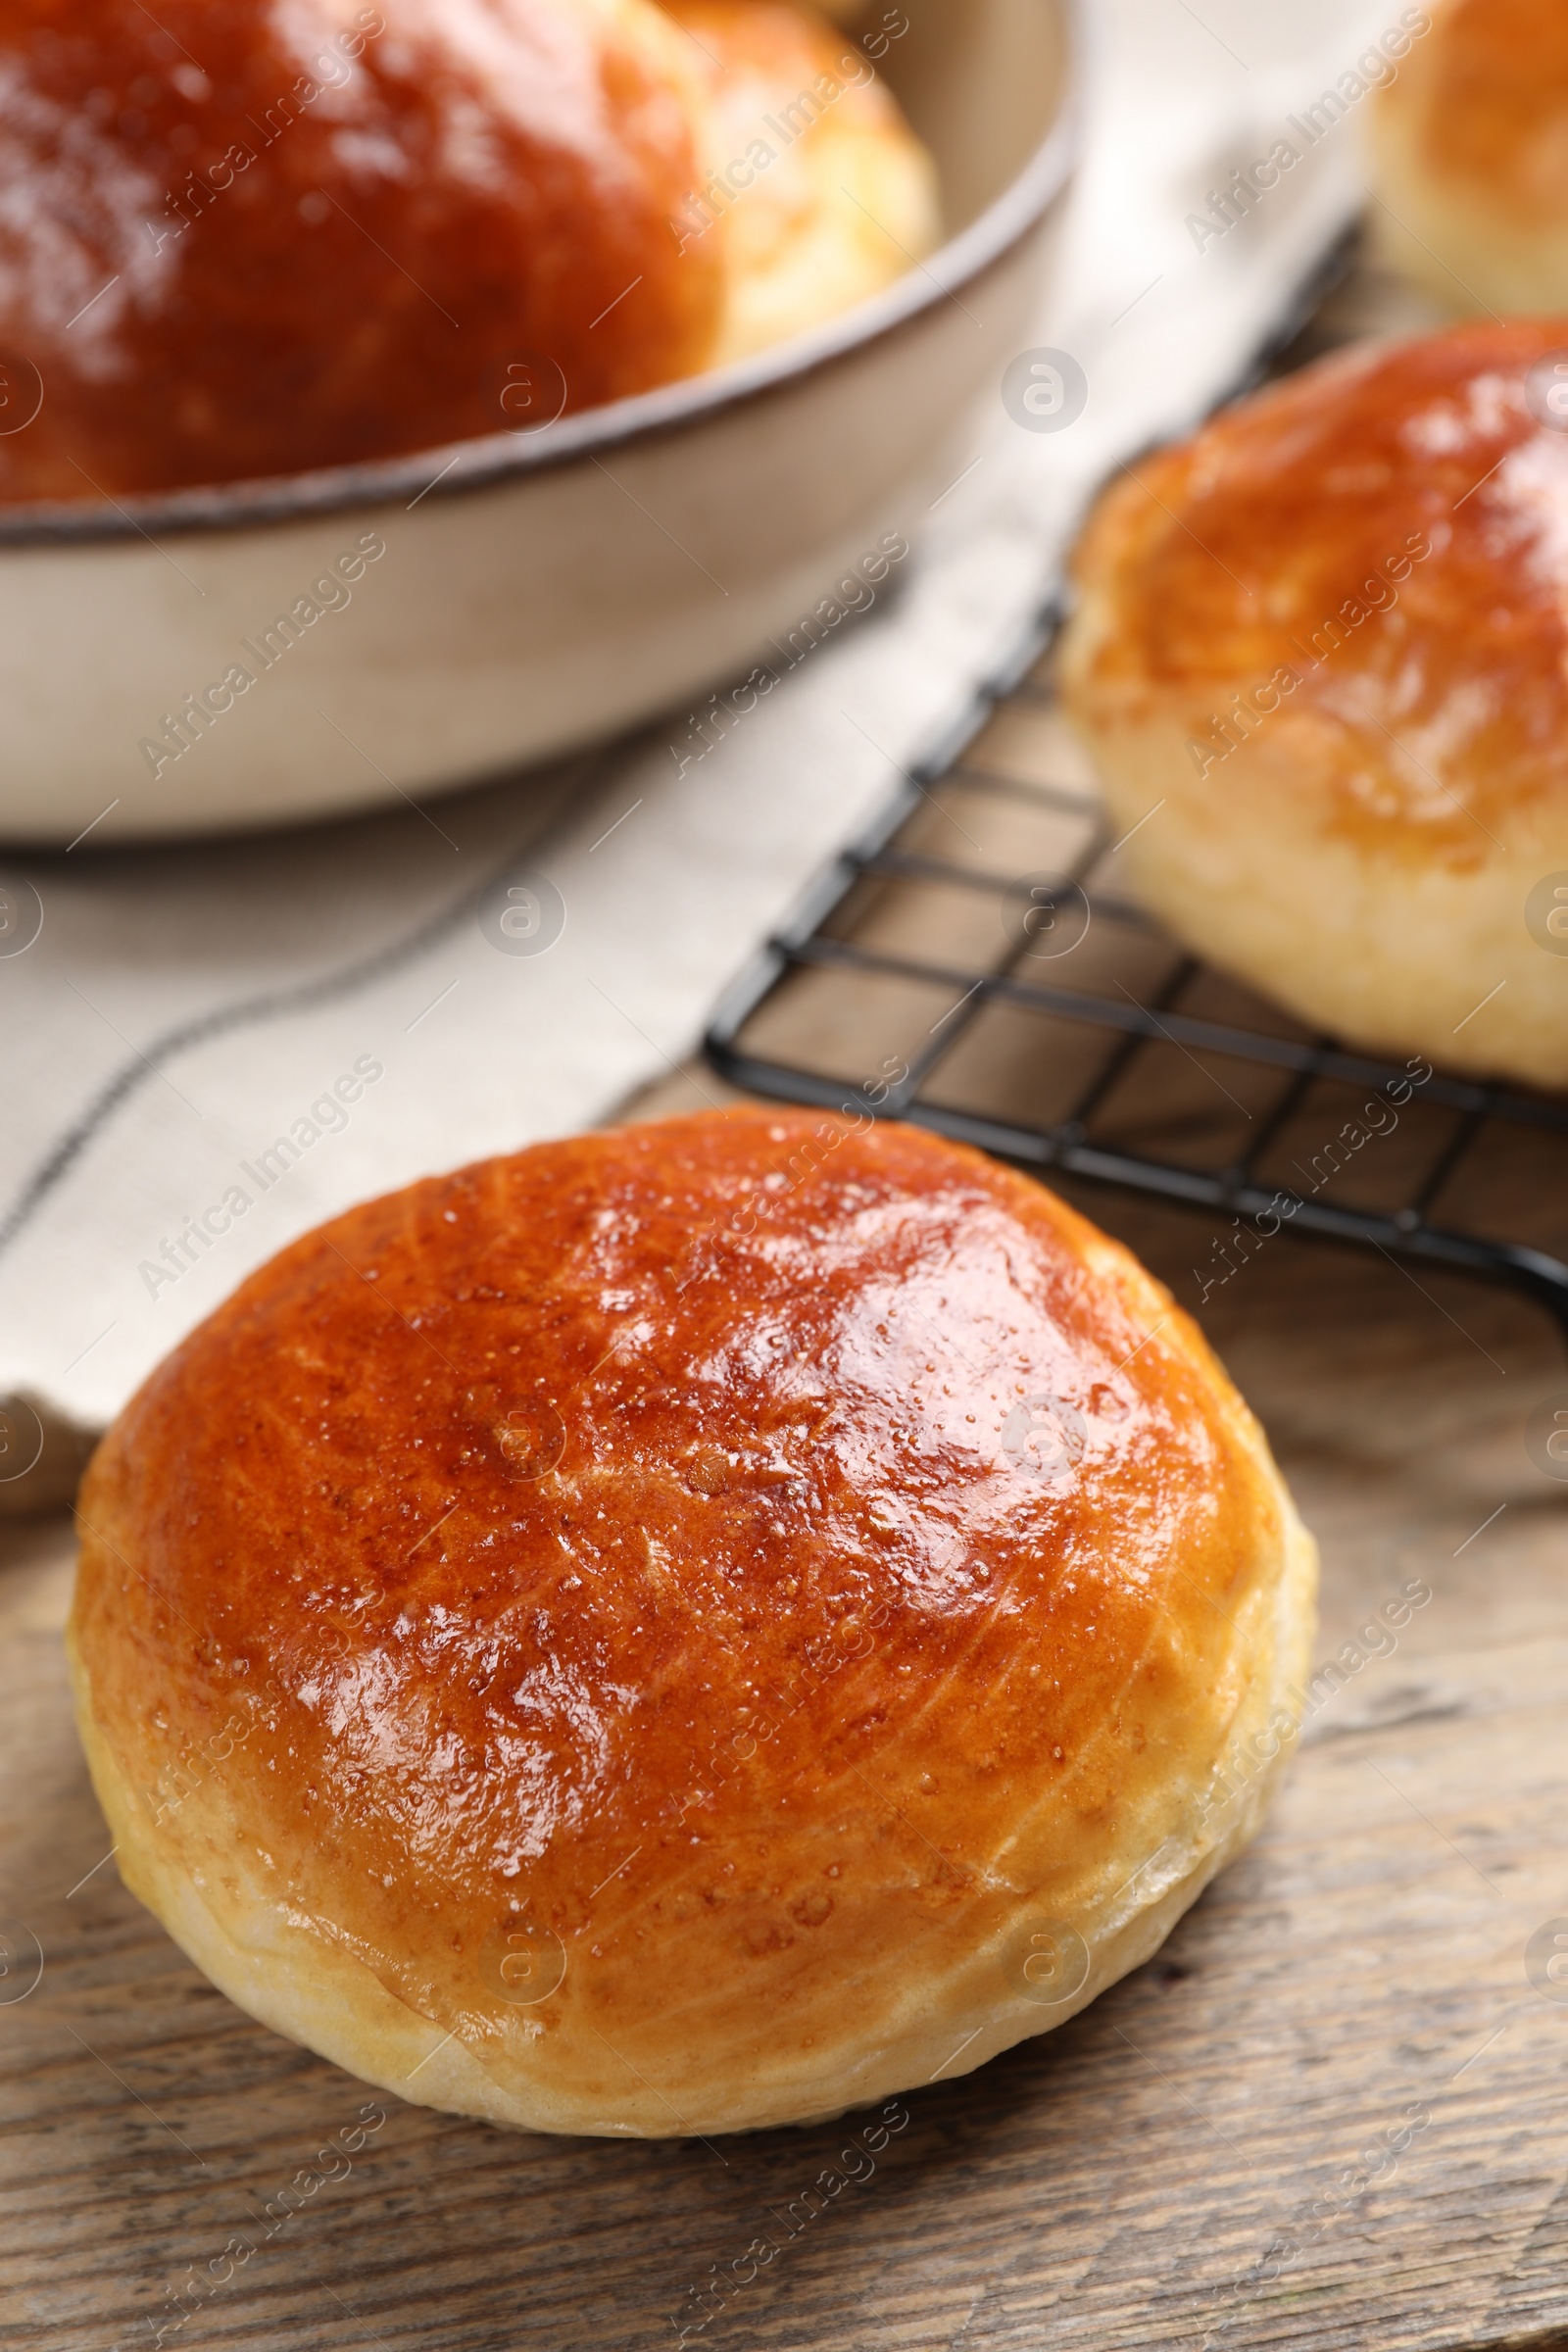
(424, 621)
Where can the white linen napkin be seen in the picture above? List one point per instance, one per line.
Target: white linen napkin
(211, 1047)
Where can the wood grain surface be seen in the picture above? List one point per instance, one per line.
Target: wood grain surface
(1332, 2112)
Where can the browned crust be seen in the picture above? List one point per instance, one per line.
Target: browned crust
(630, 1537)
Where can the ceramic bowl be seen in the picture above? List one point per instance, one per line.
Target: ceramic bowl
(425, 622)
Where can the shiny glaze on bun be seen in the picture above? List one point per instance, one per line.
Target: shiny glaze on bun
(1375, 551)
(1494, 110)
(251, 239)
(765, 1563)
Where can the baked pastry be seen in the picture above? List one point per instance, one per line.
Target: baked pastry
(259, 238)
(822, 194)
(1469, 151)
(685, 1629)
(1327, 640)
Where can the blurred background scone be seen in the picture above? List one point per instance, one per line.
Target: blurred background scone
(1470, 157)
(817, 191)
(686, 1628)
(1327, 640)
(256, 239)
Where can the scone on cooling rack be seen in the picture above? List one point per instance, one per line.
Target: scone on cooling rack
(686, 1628)
(1469, 147)
(1326, 642)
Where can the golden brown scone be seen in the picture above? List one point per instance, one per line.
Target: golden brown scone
(686, 1628)
(816, 189)
(1470, 157)
(1328, 638)
(252, 240)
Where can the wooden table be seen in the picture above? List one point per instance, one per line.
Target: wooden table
(1120, 2183)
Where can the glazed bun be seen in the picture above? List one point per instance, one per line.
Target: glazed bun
(818, 191)
(468, 186)
(1327, 639)
(686, 1628)
(1470, 157)
(251, 241)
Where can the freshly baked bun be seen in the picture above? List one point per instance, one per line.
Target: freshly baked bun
(249, 240)
(685, 1629)
(1470, 156)
(1327, 640)
(819, 190)
(329, 237)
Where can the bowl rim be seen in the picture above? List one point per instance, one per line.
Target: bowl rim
(454, 470)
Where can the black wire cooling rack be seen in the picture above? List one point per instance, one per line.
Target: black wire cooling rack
(972, 961)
